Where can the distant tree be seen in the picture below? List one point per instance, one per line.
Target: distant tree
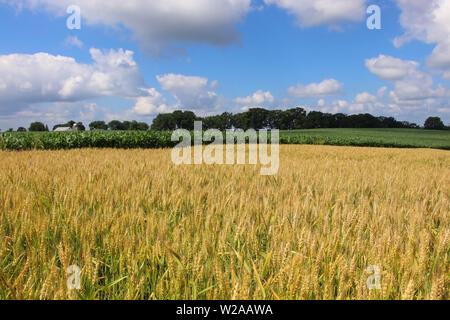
(241, 121)
(184, 119)
(291, 119)
(164, 122)
(389, 122)
(98, 125)
(116, 125)
(275, 119)
(408, 125)
(314, 120)
(434, 123)
(297, 117)
(126, 125)
(142, 126)
(258, 118)
(21, 129)
(10, 130)
(37, 127)
(226, 121)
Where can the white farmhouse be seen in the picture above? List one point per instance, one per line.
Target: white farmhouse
(63, 129)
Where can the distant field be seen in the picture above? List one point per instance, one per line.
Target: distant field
(402, 138)
(389, 138)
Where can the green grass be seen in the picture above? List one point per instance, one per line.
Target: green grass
(400, 138)
(389, 138)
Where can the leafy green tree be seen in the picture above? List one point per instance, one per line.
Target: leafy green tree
(142, 126)
(275, 120)
(434, 123)
(258, 118)
(98, 125)
(21, 129)
(291, 119)
(241, 121)
(297, 116)
(116, 125)
(184, 119)
(164, 122)
(126, 125)
(37, 127)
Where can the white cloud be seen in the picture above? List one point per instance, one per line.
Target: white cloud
(365, 102)
(160, 25)
(428, 21)
(191, 92)
(381, 93)
(365, 97)
(259, 98)
(444, 110)
(409, 82)
(73, 42)
(336, 106)
(151, 104)
(323, 12)
(440, 58)
(42, 77)
(390, 68)
(326, 88)
(321, 103)
(56, 113)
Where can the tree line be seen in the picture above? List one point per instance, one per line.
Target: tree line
(95, 125)
(291, 119)
(255, 118)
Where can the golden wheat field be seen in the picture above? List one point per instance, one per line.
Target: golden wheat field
(140, 227)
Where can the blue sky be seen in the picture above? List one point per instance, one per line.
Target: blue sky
(223, 55)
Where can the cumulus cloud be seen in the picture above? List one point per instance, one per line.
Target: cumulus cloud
(440, 58)
(321, 103)
(259, 98)
(323, 12)
(428, 21)
(381, 93)
(385, 105)
(390, 68)
(151, 104)
(326, 88)
(191, 92)
(413, 90)
(409, 82)
(336, 106)
(57, 112)
(365, 97)
(42, 77)
(160, 25)
(73, 42)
